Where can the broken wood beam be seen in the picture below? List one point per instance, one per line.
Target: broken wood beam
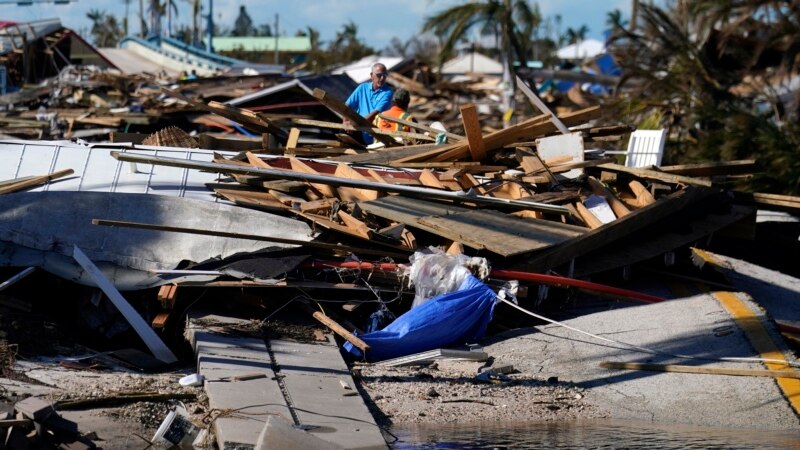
(472, 128)
(537, 102)
(458, 196)
(655, 175)
(420, 126)
(344, 111)
(35, 181)
(338, 329)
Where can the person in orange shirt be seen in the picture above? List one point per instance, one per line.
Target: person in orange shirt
(399, 109)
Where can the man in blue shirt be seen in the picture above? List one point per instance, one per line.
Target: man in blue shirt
(371, 97)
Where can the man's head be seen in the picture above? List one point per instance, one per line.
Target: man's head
(401, 98)
(378, 75)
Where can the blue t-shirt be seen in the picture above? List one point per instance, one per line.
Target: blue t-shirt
(364, 100)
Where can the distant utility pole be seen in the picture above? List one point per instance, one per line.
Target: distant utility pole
(169, 18)
(277, 32)
(210, 31)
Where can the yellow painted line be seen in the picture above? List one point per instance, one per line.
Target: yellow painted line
(761, 340)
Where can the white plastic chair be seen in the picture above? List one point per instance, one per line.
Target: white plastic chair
(646, 148)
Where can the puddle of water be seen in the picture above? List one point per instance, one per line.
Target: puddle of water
(588, 434)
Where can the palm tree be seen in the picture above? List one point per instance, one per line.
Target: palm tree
(504, 18)
(576, 36)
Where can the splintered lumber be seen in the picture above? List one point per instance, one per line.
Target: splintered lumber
(34, 181)
(370, 129)
(336, 181)
(349, 194)
(643, 196)
(167, 295)
(655, 175)
(480, 229)
(343, 110)
(294, 136)
(246, 117)
(712, 169)
(616, 205)
(322, 188)
(420, 126)
(617, 229)
(472, 128)
(786, 202)
(414, 87)
(535, 127)
(338, 329)
(537, 102)
(646, 247)
(255, 237)
(150, 338)
(590, 219)
(256, 199)
(701, 370)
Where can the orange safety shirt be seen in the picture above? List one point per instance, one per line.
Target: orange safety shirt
(394, 111)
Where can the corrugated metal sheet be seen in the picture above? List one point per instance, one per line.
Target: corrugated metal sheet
(96, 171)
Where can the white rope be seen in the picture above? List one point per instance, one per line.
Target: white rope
(648, 350)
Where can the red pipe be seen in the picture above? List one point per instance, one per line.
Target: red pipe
(506, 275)
(564, 281)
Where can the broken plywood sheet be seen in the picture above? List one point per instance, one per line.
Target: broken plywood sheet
(501, 233)
(480, 229)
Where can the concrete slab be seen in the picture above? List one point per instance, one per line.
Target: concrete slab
(696, 326)
(313, 376)
(280, 435)
(306, 390)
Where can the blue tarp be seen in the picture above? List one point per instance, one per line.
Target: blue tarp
(453, 319)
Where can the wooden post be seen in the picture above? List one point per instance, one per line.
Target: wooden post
(472, 128)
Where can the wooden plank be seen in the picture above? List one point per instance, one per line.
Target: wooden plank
(643, 196)
(656, 175)
(160, 320)
(701, 370)
(588, 218)
(246, 117)
(324, 189)
(344, 111)
(617, 229)
(500, 233)
(776, 201)
(529, 129)
(150, 338)
(349, 194)
(210, 142)
(537, 102)
(472, 128)
(616, 205)
(711, 169)
(35, 181)
(427, 178)
(294, 136)
(636, 249)
(167, 294)
(420, 126)
(338, 329)
(260, 200)
(357, 226)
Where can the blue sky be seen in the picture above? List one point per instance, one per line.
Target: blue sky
(378, 21)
